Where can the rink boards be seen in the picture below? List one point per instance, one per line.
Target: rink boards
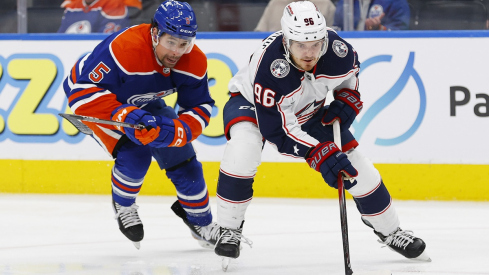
(424, 123)
(283, 180)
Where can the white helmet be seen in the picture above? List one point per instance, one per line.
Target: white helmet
(303, 22)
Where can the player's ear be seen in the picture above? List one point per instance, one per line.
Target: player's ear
(154, 34)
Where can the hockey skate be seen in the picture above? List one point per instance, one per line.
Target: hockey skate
(206, 236)
(228, 244)
(129, 222)
(404, 243)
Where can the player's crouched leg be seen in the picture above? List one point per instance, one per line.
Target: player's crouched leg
(375, 205)
(239, 164)
(193, 201)
(128, 173)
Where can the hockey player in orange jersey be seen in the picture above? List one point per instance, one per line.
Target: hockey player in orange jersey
(124, 79)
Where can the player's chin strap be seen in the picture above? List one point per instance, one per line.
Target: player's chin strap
(288, 54)
(287, 57)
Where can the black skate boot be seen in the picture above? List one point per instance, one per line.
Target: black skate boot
(228, 245)
(206, 236)
(129, 222)
(404, 243)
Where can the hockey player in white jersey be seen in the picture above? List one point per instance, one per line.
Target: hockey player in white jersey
(279, 97)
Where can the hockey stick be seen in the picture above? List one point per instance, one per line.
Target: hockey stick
(344, 221)
(341, 195)
(76, 121)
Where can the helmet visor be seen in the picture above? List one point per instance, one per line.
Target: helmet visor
(311, 49)
(180, 44)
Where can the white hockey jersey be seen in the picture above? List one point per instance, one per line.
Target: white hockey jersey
(286, 97)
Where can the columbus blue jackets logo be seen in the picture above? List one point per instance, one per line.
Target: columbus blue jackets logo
(280, 68)
(339, 48)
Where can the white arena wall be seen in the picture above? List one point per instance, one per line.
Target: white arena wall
(424, 124)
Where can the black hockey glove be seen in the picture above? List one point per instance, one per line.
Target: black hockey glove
(331, 162)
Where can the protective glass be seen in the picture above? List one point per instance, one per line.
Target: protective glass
(307, 49)
(180, 45)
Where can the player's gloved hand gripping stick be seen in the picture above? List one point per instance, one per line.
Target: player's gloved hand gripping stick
(155, 131)
(159, 131)
(76, 121)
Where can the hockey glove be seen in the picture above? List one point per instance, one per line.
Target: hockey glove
(327, 159)
(132, 114)
(345, 107)
(174, 133)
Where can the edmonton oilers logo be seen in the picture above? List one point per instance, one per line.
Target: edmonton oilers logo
(139, 100)
(385, 100)
(280, 68)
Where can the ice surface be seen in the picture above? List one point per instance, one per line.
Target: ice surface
(76, 234)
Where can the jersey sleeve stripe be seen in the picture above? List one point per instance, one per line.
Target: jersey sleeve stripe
(74, 104)
(74, 97)
(204, 114)
(337, 76)
(207, 108)
(73, 73)
(194, 122)
(98, 105)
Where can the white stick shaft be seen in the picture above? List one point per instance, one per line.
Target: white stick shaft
(336, 133)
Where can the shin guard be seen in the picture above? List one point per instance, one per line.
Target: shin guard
(188, 179)
(233, 197)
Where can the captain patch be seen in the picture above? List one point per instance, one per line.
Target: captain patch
(339, 48)
(280, 68)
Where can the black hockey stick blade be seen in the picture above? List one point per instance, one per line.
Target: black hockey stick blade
(344, 227)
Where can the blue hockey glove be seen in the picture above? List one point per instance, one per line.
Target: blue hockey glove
(173, 133)
(132, 114)
(345, 107)
(327, 159)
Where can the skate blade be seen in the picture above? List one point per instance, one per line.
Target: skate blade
(225, 263)
(424, 257)
(377, 272)
(137, 244)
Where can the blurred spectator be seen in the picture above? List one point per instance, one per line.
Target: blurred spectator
(270, 20)
(376, 15)
(90, 16)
